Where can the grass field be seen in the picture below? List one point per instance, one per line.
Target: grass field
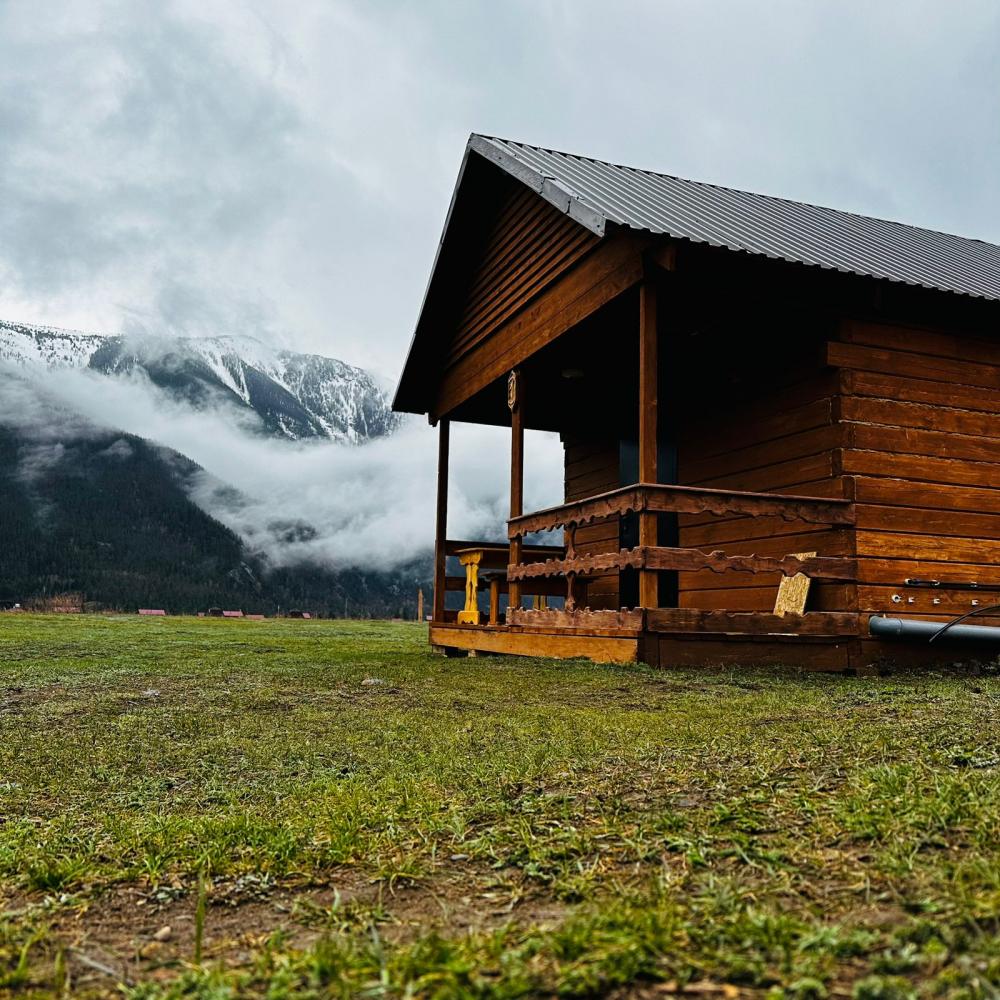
(215, 808)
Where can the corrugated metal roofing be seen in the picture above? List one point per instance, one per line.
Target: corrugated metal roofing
(595, 192)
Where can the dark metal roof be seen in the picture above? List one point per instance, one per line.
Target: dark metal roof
(596, 193)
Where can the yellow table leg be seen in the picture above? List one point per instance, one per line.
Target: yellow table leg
(469, 615)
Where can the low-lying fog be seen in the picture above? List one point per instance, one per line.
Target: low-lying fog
(369, 506)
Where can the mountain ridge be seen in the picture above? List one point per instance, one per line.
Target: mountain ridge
(295, 395)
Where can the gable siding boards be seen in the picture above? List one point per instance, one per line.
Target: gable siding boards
(529, 244)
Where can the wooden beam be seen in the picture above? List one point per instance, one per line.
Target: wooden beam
(690, 620)
(661, 557)
(685, 500)
(648, 418)
(515, 400)
(558, 643)
(441, 523)
(581, 622)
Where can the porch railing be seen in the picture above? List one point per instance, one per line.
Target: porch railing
(648, 498)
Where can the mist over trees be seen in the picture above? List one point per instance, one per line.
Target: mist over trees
(109, 517)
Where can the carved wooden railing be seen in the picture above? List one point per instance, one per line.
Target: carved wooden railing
(649, 498)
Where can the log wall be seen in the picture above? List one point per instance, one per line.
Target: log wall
(592, 467)
(921, 419)
(783, 440)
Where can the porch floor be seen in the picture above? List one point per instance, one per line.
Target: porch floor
(675, 637)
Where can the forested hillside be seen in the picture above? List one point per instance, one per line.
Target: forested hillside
(109, 516)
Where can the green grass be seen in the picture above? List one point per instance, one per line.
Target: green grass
(326, 809)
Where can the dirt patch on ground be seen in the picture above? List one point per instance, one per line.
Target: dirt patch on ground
(130, 934)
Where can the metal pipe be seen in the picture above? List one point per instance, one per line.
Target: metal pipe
(900, 628)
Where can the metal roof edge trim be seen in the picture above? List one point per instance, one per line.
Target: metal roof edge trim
(551, 189)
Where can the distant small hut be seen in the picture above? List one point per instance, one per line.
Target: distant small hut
(159, 612)
(214, 613)
(232, 614)
(299, 614)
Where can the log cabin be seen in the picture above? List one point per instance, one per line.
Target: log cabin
(780, 422)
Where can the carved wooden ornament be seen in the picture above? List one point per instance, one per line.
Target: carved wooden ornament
(512, 390)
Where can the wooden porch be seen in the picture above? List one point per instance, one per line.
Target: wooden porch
(651, 634)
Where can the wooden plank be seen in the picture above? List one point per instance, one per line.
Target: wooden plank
(927, 548)
(743, 529)
(891, 386)
(441, 520)
(923, 602)
(920, 415)
(562, 250)
(601, 649)
(823, 596)
(648, 377)
(734, 431)
(796, 446)
(911, 441)
(884, 654)
(743, 651)
(919, 468)
(922, 340)
(954, 523)
(531, 242)
(690, 499)
(585, 620)
(515, 400)
(780, 477)
(892, 572)
(686, 560)
(818, 567)
(927, 496)
(876, 359)
(825, 623)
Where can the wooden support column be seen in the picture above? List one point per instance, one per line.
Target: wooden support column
(441, 524)
(648, 402)
(515, 400)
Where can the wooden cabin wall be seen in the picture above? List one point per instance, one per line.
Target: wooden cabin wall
(921, 422)
(779, 436)
(592, 467)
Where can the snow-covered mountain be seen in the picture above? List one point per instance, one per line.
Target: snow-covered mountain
(295, 395)
(24, 344)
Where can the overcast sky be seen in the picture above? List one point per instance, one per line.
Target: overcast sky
(283, 168)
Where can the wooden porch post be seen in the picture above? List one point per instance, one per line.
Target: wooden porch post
(441, 524)
(515, 400)
(648, 381)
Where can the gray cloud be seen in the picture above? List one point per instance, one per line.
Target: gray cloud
(285, 168)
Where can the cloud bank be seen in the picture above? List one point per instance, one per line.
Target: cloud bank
(318, 502)
(284, 169)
